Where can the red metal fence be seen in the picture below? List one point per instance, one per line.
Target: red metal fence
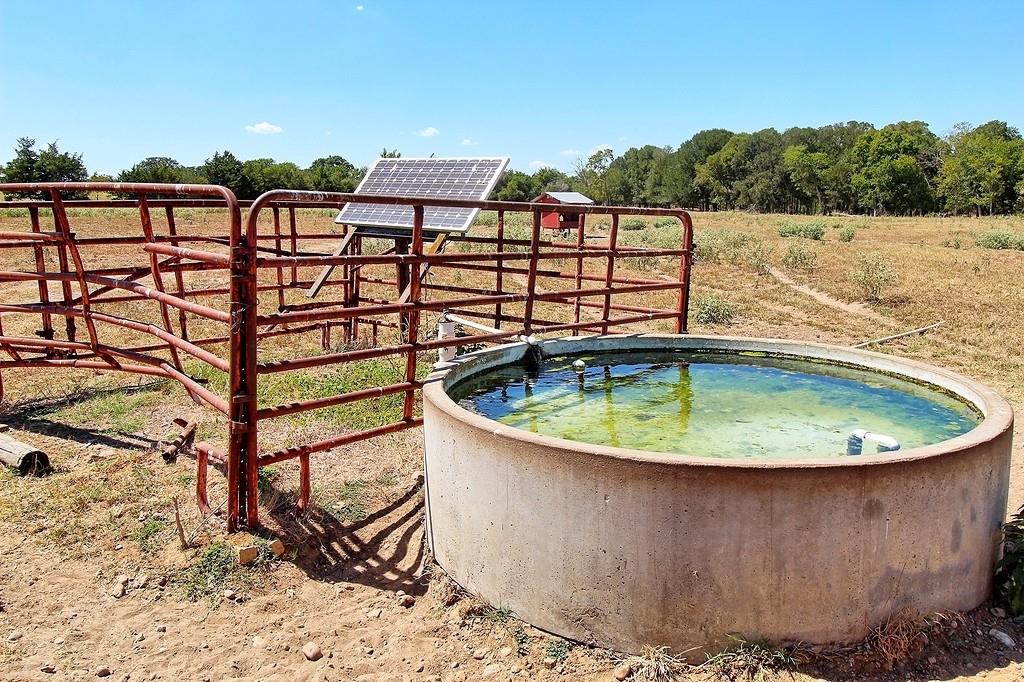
(379, 299)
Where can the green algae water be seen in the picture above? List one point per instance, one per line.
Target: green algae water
(714, 404)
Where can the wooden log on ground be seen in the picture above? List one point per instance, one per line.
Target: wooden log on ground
(26, 459)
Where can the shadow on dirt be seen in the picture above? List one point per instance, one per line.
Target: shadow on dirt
(33, 416)
(385, 549)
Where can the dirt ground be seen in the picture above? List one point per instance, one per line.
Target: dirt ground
(94, 583)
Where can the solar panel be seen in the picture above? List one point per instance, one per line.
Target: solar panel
(437, 178)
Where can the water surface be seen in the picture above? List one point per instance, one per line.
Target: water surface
(714, 404)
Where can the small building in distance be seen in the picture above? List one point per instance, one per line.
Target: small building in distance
(554, 220)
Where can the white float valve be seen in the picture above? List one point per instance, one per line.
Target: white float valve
(855, 443)
(446, 330)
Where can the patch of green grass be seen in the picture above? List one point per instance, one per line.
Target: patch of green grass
(266, 478)
(632, 224)
(111, 411)
(148, 535)
(847, 233)
(386, 479)
(558, 649)
(300, 385)
(208, 577)
(499, 616)
(344, 503)
(749, 661)
(217, 568)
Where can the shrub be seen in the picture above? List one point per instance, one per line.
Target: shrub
(632, 225)
(723, 246)
(872, 276)
(1009, 579)
(712, 309)
(665, 221)
(800, 258)
(1000, 239)
(759, 257)
(814, 229)
(846, 234)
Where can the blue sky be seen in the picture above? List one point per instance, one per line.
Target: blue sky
(538, 81)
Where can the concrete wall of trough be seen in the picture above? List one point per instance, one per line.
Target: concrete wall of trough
(622, 548)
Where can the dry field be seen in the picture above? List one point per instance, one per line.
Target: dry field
(93, 579)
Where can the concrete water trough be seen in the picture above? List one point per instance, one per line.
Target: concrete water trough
(623, 547)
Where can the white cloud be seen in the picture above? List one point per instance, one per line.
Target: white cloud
(466, 141)
(429, 131)
(264, 128)
(570, 152)
(540, 164)
(359, 8)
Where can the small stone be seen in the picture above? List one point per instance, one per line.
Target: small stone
(492, 669)
(48, 668)
(933, 660)
(549, 662)
(481, 653)
(4, 428)
(407, 600)
(312, 652)
(140, 637)
(376, 613)
(622, 672)
(455, 665)
(229, 595)
(505, 652)
(259, 643)
(117, 511)
(103, 671)
(141, 580)
(419, 668)
(1003, 638)
(161, 628)
(276, 548)
(14, 636)
(998, 612)
(118, 591)
(58, 640)
(247, 555)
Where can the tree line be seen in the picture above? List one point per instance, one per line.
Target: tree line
(899, 169)
(247, 179)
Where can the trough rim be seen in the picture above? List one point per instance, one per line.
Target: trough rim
(997, 412)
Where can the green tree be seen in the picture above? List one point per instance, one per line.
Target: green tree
(224, 168)
(160, 169)
(893, 168)
(49, 165)
(516, 186)
(808, 173)
(333, 174)
(982, 169)
(390, 153)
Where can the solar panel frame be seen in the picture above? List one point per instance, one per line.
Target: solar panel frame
(420, 178)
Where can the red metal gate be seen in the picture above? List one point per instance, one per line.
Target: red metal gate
(379, 301)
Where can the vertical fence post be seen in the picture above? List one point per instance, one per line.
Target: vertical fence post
(580, 243)
(242, 465)
(413, 317)
(62, 260)
(685, 266)
(609, 274)
(276, 213)
(531, 280)
(179, 280)
(44, 290)
(500, 272)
